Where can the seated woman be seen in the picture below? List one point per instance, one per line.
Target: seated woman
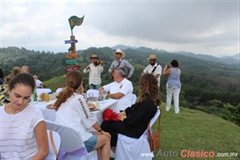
(4, 94)
(72, 111)
(133, 120)
(23, 133)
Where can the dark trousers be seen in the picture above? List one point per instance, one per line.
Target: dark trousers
(115, 127)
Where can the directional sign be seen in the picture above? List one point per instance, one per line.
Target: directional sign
(71, 41)
(72, 68)
(71, 55)
(71, 61)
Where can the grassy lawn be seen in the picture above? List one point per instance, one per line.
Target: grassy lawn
(196, 131)
(191, 130)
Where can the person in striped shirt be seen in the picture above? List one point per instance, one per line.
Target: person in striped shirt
(120, 62)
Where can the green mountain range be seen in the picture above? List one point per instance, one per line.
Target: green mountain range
(209, 86)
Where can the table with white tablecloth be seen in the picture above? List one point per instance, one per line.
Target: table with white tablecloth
(50, 114)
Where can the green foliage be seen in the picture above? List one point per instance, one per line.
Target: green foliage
(234, 115)
(196, 131)
(206, 85)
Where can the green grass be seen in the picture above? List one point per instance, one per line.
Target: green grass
(55, 83)
(189, 130)
(196, 131)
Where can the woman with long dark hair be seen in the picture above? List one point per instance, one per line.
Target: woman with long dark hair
(133, 120)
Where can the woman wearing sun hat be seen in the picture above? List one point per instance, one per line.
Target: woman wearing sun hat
(120, 62)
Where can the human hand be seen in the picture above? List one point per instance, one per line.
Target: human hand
(106, 134)
(88, 68)
(122, 116)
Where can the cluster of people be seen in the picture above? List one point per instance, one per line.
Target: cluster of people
(4, 91)
(18, 116)
(122, 88)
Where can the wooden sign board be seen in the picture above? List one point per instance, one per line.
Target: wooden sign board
(71, 41)
(71, 55)
(73, 68)
(71, 61)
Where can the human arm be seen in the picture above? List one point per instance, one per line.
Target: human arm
(97, 127)
(42, 141)
(130, 67)
(117, 95)
(86, 70)
(166, 70)
(110, 70)
(139, 113)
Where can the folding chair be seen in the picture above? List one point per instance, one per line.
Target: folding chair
(94, 92)
(134, 98)
(72, 146)
(135, 148)
(59, 90)
(54, 142)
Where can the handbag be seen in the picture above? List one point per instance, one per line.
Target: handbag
(154, 138)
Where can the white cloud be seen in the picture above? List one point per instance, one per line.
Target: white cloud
(208, 27)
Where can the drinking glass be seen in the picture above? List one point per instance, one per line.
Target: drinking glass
(104, 94)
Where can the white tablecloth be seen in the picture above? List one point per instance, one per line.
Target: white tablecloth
(50, 114)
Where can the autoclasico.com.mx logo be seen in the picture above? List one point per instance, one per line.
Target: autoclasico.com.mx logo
(189, 154)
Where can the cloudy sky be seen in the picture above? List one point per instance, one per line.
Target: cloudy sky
(198, 26)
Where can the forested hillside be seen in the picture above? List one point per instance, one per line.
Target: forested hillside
(208, 86)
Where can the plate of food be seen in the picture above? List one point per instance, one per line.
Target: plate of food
(50, 106)
(91, 106)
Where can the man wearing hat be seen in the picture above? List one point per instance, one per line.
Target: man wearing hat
(95, 69)
(120, 62)
(153, 68)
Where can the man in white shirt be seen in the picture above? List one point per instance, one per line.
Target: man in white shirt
(95, 69)
(38, 83)
(120, 89)
(153, 68)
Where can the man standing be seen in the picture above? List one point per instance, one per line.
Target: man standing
(38, 83)
(95, 69)
(120, 89)
(153, 68)
(120, 62)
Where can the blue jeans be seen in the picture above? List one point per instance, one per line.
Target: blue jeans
(94, 86)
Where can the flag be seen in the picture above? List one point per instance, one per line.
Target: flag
(75, 21)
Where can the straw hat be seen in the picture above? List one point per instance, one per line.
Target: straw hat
(94, 56)
(152, 56)
(121, 52)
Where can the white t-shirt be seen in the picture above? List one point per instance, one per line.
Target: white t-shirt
(125, 87)
(37, 83)
(158, 70)
(74, 113)
(17, 136)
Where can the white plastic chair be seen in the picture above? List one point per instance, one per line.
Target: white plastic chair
(59, 90)
(72, 146)
(94, 92)
(54, 142)
(42, 90)
(48, 114)
(134, 98)
(135, 148)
